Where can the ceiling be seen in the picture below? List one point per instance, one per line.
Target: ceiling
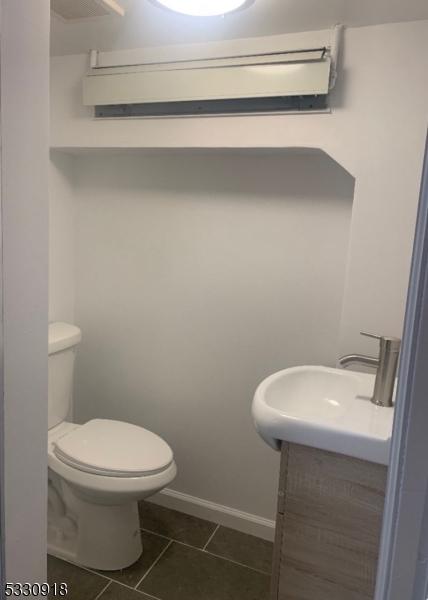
(146, 24)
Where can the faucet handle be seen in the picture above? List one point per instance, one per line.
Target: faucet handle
(371, 335)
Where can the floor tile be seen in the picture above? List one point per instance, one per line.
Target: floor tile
(184, 573)
(81, 584)
(152, 547)
(243, 548)
(175, 525)
(118, 592)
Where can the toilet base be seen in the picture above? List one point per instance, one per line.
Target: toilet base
(97, 536)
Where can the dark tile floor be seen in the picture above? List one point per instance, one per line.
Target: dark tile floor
(184, 558)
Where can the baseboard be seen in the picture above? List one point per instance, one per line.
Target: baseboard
(224, 515)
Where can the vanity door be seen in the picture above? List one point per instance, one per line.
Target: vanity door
(329, 521)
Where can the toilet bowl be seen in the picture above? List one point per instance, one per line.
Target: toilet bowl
(97, 473)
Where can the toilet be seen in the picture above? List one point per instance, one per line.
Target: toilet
(97, 472)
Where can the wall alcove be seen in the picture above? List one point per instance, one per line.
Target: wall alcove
(193, 275)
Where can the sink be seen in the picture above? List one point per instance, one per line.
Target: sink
(324, 408)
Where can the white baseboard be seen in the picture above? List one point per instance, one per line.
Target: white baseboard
(224, 515)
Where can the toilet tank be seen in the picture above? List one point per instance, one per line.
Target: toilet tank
(63, 339)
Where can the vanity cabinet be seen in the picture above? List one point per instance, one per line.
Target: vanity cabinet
(329, 520)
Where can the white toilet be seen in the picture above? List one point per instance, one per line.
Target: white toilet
(97, 472)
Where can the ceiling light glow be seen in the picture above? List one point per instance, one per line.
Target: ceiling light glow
(203, 8)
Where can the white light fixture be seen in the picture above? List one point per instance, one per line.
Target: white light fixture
(203, 8)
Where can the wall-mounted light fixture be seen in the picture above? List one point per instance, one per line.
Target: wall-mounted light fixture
(203, 8)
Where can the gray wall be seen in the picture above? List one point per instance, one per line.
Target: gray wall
(197, 276)
(61, 238)
(24, 188)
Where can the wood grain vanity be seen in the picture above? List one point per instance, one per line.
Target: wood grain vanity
(329, 519)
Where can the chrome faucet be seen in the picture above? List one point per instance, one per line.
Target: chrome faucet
(386, 366)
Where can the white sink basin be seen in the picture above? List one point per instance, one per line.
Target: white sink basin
(324, 408)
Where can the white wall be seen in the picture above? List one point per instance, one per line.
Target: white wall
(24, 84)
(197, 276)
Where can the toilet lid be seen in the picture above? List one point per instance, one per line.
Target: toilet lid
(113, 448)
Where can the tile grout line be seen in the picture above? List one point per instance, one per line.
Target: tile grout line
(161, 535)
(102, 591)
(127, 587)
(145, 594)
(110, 581)
(211, 537)
(153, 565)
(87, 569)
(234, 562)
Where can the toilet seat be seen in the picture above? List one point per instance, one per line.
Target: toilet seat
(113, 449)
